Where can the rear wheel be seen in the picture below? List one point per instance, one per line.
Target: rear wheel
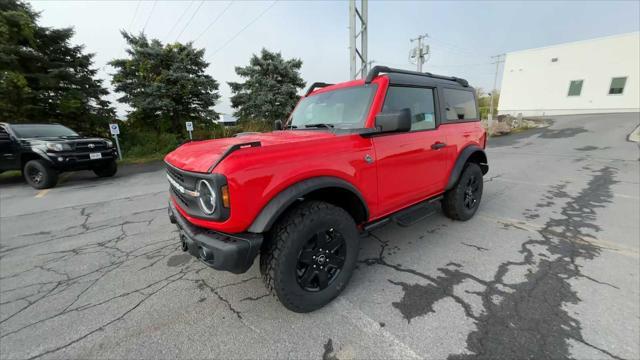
(107, 169)
(462, 201)
(39, 174)
(310, 256)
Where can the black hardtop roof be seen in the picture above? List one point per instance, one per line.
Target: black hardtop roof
(407, 77)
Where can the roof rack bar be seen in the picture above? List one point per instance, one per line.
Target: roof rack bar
(316, 85)
(385, 69)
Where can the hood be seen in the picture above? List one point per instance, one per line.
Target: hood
(199, 156)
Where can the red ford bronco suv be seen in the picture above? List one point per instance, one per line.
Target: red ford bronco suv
(351, 157)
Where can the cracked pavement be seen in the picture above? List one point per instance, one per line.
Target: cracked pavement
(548, 268)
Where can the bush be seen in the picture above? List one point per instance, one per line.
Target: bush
(148, 144)
(140, 144)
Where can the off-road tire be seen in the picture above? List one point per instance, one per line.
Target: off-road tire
(453, 203)
(39, 174)
(107, 170)
(284, 244)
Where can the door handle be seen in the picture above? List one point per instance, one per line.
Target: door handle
(438, 145)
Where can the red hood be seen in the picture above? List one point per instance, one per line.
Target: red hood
(198, 156)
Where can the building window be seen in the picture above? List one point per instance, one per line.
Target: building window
(617, 85)
(575, 87)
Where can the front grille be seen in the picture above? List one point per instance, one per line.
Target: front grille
(175, 175)
(180, 197)
(91, 146)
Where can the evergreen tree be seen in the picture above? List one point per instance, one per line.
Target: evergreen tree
(165, 85)
(43, 78)
(270, 89)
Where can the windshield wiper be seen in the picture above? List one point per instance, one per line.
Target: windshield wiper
(319, 125)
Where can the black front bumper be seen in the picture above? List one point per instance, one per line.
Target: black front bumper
(229, 252)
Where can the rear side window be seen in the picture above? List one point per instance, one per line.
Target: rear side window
(418, 100)
(460, 105)
(3, 133)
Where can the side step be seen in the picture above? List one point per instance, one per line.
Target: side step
(406, 217)
(414, 215)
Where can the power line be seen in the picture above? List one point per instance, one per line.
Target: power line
(180, 18)
(190, 19)
(135, 13)
(214, 21)
(244, 28)
(149, 17)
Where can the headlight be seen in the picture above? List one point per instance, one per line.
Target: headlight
(109, 143)
(57, 146)
(207, 197)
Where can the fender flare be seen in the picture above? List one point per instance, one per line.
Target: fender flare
(279, 203)
(465, 154)
(35, 153)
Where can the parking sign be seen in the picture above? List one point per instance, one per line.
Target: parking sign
(115, 130)
(189, 126)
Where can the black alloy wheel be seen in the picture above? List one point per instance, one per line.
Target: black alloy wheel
(35, 175)
(471, 192)
(321, 260)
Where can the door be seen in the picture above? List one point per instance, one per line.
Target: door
(8, 156)
(411, 165)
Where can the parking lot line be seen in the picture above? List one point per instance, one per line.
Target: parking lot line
(42, 193)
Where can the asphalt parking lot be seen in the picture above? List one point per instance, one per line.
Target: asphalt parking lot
(548, 268)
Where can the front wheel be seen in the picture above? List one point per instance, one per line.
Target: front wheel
(107, 170)
(39, 174)
(462, 201)
(310, 255)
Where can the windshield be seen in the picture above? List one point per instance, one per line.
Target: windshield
(341, 108)
(42, 130)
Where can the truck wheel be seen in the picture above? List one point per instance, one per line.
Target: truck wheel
(310, 256)
(39, 174)
(107, 170)
(462, 201)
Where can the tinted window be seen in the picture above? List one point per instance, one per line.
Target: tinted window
(3, 133)
(617, 85)
(342, 108)
(418, 100)
(42, 130)
(575, 88)
(460, 105)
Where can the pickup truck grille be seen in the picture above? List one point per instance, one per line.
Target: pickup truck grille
(93, 146)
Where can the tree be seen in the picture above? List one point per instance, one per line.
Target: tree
(43, 78)
(165, 85)
(270, 90)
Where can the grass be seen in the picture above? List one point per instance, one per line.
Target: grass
(10, 174)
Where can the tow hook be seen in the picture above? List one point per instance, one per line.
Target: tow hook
(183, 243)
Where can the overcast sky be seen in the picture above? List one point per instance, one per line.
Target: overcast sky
(462, 35)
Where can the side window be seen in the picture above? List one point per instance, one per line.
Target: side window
(617, 85)
(460, 105)
(4, 135)
(575, 88)
(418, 100)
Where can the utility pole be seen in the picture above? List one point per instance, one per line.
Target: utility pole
(358, 56)
(420, 51)
(498, 59)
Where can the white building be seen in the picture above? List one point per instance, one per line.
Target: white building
(593, 76)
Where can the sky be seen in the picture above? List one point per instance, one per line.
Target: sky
(462, 35)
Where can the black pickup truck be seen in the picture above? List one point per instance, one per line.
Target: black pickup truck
(42, 151)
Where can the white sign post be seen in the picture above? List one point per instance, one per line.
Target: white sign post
(115, 131)
(189, 129)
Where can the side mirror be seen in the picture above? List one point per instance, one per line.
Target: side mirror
(277, 125)
(394, 122)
